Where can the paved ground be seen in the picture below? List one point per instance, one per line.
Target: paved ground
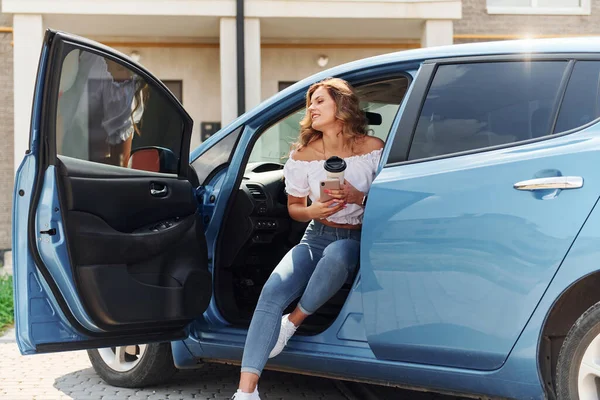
(70, 376)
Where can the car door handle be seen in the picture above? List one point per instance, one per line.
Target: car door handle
(158, 192)
(553, 182)
(155, 192)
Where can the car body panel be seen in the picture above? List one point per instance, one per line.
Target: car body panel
(450, 246)
(30, 286)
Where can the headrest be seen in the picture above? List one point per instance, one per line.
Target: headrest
(373, 118)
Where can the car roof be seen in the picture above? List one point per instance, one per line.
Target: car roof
(590, 44)
(540, 46)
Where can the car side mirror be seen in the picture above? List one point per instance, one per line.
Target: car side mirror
(153, 159)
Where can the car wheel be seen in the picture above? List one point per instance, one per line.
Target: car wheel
(134, 366)
(578, 366)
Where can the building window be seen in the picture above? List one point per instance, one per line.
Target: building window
(285, 84)
(549, 7)
(176, 87)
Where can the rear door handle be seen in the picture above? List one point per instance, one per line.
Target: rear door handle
(553, 182)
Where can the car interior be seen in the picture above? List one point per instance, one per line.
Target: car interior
(258, 230)
(132, 224)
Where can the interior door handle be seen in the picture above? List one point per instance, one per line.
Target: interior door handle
(158, 192)
(553, 182)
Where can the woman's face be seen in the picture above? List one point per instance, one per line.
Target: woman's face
(322, 109)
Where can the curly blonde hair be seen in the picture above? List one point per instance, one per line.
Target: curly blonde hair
(347, 110)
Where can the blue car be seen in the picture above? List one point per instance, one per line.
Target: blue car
(480, 251)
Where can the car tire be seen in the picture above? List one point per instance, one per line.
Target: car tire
(581, 348)
(134, 366)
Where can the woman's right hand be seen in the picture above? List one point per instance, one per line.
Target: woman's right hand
(323, 210)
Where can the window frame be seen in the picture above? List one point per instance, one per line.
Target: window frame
(400, 147)
(585, 8)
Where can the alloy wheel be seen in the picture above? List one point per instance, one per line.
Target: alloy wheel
(589, 372)
(122, 358)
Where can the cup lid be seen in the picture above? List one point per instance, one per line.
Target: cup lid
(335, 164)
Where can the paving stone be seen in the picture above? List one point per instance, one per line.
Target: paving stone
(70, 376)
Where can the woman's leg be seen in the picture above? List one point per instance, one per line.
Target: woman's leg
(339, 261)
(285, 284)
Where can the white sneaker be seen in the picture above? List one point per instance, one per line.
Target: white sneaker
(239, 395)
(285, 333)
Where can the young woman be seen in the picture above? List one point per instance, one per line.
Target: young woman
(328, 253)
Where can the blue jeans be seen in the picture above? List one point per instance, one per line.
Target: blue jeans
(316, 268)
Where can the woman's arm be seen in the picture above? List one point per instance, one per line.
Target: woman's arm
(299, 211)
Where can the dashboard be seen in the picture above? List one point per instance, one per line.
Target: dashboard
(259, 219)
(263, 184)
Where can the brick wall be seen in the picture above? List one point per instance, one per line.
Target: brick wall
(477, 21)
(6, 132)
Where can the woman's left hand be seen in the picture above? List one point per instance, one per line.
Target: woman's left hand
(348, 193)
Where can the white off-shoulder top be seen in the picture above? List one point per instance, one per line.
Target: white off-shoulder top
(302, 179)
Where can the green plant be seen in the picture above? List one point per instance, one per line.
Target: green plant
(6, 302)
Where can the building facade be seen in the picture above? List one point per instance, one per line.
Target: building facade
(191, 45)
(6, 129)
(484, 20)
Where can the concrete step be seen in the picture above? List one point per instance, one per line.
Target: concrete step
(8, 267)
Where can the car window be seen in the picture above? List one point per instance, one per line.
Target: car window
(108, 114)
(380, 100)
(275, 143)
(215, 157)
(473, 106)
(581, 103)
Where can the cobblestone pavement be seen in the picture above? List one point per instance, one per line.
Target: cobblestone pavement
(70, 376)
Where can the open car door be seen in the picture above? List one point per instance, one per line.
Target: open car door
(108, 246)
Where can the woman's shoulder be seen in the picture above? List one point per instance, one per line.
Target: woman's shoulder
(370, 144)
(307, 153)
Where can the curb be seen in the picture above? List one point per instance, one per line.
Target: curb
(8, 267)
(8, 336)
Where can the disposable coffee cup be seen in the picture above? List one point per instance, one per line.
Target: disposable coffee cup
(335, 167)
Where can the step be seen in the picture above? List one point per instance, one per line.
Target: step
(8, 267)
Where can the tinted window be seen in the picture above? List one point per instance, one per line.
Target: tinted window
(219, 154)
(107, 113)
(382, 100)
(472, 106)
(581, 102)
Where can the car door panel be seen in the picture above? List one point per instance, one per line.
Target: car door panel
(114, 255)
(462, 260)
(454, 259)
(113, 198)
